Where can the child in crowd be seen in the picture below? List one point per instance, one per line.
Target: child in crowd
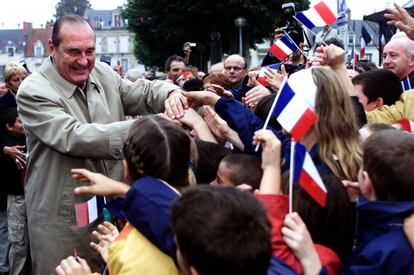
(337, 215)
(157, 167)
(387, 198)
(238, 169)
(220, 231)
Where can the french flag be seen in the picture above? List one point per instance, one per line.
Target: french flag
(318, 16)
(307, 176)
(261, 78)
(283, 47)
(88, 211)
(293, 112)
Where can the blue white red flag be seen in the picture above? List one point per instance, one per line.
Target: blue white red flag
(261, 78)
(318, 16)
(294, 108)
(307, 176)
(406, 84)
(283, 47)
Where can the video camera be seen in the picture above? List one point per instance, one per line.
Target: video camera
(290, 25)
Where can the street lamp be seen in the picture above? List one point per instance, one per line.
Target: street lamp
(240, 23)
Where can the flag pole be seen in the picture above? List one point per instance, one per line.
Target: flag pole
(271, 110)
(292, 165)
(312, 32)
(354, 54)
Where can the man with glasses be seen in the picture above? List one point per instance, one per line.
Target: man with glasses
(72, 109)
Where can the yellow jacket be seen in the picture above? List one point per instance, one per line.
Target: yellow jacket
(131, 253)
(404, 108)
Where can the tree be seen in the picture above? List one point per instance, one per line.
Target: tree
(163, 26)
(71, 6)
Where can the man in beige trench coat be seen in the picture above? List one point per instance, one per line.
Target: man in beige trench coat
(72, 109)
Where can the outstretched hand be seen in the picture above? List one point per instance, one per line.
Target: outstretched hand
(202, 97)
(399, 18)
(175, 104)
(99, 184)
(108, 233)
(297, 237)
(73, 266)
(332, 56)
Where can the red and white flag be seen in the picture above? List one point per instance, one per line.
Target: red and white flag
(86, 212)
(407, 125)
(307, 176)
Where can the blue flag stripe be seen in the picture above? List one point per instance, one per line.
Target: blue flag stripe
(305, 21)
(286, 95)
(300, 153)
(289, 43)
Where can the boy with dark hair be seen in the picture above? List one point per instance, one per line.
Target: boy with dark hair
(376, 88)
(237, 169)
(221, 230)
(386, 185)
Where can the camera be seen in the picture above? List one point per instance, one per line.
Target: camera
(289, 23)
(189, 44)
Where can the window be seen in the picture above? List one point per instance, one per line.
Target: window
(98, 45)
(10, 50)
(38, 49)
(124, 44)
(112, 44)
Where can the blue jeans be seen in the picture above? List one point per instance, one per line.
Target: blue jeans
(4, 243)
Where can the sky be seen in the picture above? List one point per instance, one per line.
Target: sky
(14, 12)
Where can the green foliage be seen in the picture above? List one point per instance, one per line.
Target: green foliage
(71, 6)
(162, 26)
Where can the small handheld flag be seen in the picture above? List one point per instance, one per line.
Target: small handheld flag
(283, 47)
(307, 176)
(318, 16)
(261, 78)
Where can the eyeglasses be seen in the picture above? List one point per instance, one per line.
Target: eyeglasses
(228, 68)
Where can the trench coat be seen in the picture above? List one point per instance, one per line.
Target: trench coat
(68, 128)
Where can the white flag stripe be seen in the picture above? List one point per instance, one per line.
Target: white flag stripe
(310, 168)
(292, 113)
(92, 209)
(302, 83)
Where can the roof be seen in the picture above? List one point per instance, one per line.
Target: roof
(104, 17)
(13, 38)
(42, 35)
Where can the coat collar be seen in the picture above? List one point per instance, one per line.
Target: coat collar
(48, 70)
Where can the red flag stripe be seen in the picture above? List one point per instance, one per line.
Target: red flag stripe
(312, 188)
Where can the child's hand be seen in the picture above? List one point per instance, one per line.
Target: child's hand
(353, 189)
(107, 235)
(270, 148)
(99, 184)
(270, 183)
(73, 266)
(331, 56)
(297, 237)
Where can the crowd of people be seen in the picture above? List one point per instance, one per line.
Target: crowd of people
(108, 173)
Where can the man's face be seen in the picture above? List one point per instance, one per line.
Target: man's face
(15, 81)
(176, 69)
(75, 56)
(17, 128)
(363, 99)
(397, 59)
(234, 68)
